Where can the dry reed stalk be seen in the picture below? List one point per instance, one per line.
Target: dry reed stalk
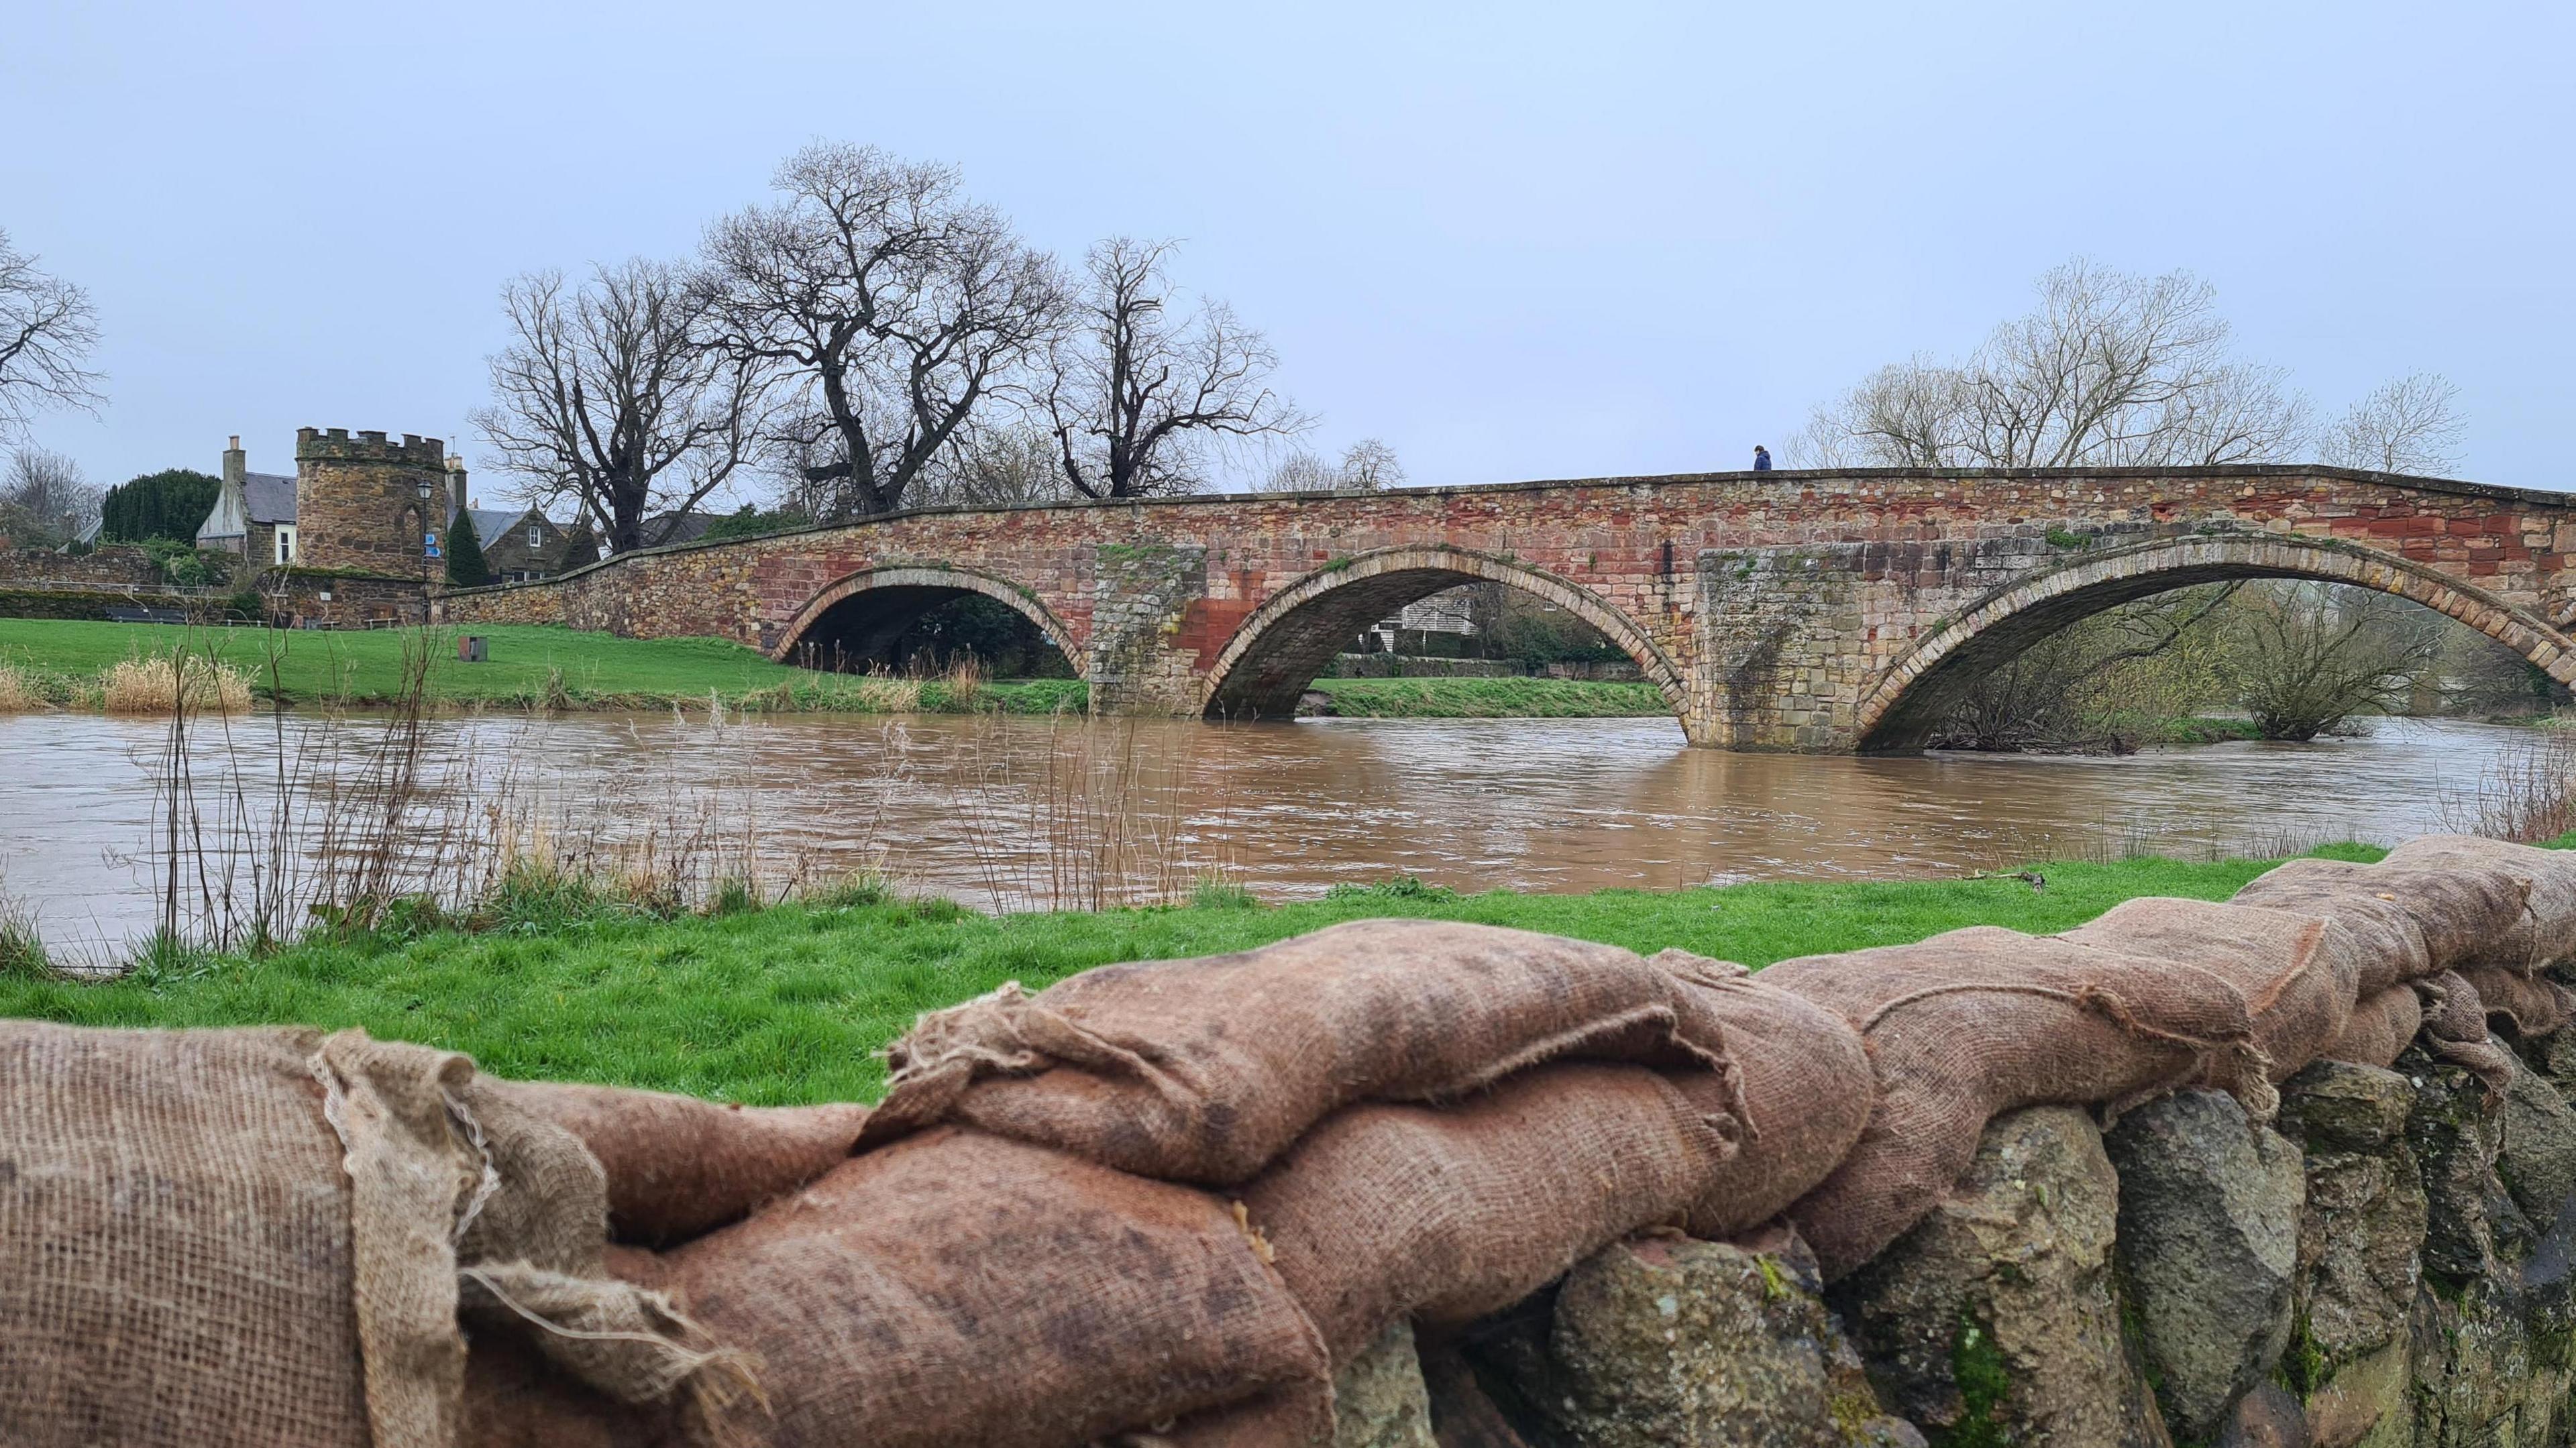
(2529, 794)
(881, 693)
(965, 680)
(18, 694)
(169, 683)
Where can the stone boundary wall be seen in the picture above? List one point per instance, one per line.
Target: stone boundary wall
(114, 567)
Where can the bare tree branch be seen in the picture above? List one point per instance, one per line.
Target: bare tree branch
(891, 311)
(47, 331)
(1136, 391)
(2409, 425)
(613, 396)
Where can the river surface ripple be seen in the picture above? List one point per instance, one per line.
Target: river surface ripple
(991, 810)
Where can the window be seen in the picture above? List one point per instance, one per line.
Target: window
(285, 543)
(536, 536)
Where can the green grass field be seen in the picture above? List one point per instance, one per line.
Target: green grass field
(1491, 698)
(790, 1004)
(529, 665)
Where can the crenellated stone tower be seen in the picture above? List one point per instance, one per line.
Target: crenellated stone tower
(370, 503)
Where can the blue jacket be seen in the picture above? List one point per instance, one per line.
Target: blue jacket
(1762, 459)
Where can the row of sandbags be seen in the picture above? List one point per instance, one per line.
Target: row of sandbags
(1170, 1199)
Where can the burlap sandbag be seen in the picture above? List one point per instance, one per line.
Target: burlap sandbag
(2381, 1027)
(2413, 921)
(1983, 1020)
(2455, 1030)
(268, 1236)
(956, 1287)
(2299, 974)
(1804, 1082)
(2534, 1005)
(678, 1166)
(1203, 1070)
(1449, 1212)
(2545, 933)
(174, 1243)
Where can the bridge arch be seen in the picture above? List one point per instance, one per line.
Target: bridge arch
(1899, 710)
(861, 614)
(1281, 646)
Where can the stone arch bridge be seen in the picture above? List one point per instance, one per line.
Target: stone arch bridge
(1777, 611)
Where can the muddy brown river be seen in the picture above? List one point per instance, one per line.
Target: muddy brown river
(1027, 813)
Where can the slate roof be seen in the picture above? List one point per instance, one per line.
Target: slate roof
(269, 496)
(663, 528)
(491, 523)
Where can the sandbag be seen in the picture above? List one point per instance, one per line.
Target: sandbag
(2535, 1006)
(2414, 922)
(957, 1287)
(2380, 1028)
(271, 1236)
(2546, 932)
(1801, 1079)
(678, 1166)
(1449, 1212)
(2455, 1030)
(2299, 974)
(175, 1263)
(1204, 1070)
(1982, 1020)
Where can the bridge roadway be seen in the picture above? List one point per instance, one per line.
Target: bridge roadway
(1812, 611)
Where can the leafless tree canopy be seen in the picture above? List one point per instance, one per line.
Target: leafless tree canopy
(2311, 656)
(47, 330)
(44, 500)
(1366, 465)
(1139, 387)
(611, 395)
(996, 467)
(2410, 425)
(2109, 370)
(888, 309)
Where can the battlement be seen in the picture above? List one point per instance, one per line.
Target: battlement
(313, 444)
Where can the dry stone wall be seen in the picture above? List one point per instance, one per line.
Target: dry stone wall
(1782, 611)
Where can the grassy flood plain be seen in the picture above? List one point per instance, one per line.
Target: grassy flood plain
(791, 1003)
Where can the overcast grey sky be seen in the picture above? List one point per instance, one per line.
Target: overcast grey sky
(1514, 241)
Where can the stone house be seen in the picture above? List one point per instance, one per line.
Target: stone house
(254, 514)
(526, 545)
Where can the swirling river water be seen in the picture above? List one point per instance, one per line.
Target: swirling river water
(1021, 813)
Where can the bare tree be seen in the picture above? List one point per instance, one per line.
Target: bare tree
(1366, 466)
(44, 500)
(996, 468)
(1300, 471)
(1137, 390)
(1370, 464)
(891, 309)
(611, 395)
(2311, 656)
(2109, 370)
(47, 330)
(2410, 425)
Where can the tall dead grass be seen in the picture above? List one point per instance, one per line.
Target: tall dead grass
(180, 681)
(18, 692)
(1097, 821)
(2528, 794)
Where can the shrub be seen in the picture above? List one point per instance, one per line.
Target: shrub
(170, 504)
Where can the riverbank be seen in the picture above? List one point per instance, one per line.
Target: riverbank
(60, 664)
(790, 1003)
(1472, 698)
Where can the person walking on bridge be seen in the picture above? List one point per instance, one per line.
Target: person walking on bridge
(1761, 458)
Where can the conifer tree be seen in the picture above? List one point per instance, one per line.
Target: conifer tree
(465, 565)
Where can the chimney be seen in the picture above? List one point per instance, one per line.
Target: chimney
(456, 500)
(235, 464)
